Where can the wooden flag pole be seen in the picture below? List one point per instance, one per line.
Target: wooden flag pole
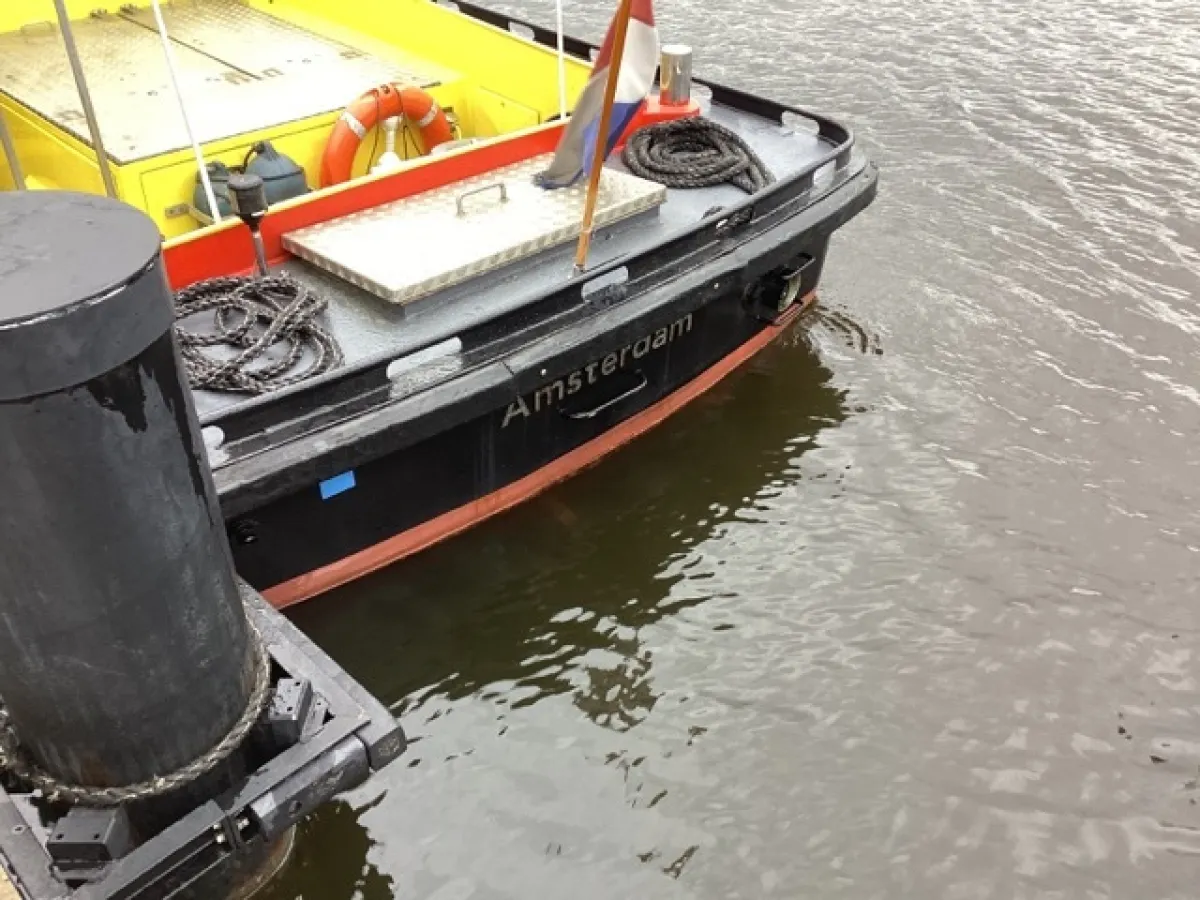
(621, 28)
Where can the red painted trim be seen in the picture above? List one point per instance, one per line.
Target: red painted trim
(425, 535)
(225, 249)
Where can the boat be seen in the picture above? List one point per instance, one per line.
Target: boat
(440, 354)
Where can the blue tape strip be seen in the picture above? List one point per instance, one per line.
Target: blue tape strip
(338, 484)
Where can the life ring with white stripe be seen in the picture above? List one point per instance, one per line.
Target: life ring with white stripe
(377, 104)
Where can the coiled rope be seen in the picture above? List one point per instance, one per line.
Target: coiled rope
(694, 153)
(253, 314)
(14, 761)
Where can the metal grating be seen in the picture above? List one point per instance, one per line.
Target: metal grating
(264, 47)
(419, 245)
(240, 70)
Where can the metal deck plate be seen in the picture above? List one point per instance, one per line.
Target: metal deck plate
(240, 70)
(264, 47)
(414, 247)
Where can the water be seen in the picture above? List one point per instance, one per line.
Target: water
(908, 607)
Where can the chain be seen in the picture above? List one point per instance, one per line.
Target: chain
(16, 762)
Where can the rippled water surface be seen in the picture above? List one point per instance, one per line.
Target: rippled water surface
(907, 607)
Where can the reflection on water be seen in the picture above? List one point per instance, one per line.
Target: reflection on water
(331, 858)
(550, 603)
(521, 606)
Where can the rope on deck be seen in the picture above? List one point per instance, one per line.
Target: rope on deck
(253, 314)
(695, 153)
(16, 762)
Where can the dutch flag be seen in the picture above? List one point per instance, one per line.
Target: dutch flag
(638, 65)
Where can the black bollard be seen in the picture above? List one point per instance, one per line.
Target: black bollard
(124, 647)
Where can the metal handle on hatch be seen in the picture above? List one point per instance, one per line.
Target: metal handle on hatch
(607, 404)
(460, 201)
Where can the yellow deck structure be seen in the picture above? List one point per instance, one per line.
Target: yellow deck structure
(249, 70)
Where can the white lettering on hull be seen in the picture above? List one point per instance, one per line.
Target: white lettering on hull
(550, 395)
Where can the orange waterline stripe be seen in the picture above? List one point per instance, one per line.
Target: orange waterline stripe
(448, 524)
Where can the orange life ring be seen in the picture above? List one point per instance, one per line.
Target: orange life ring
(377, 104)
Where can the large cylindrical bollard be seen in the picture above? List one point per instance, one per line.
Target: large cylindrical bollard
(124, 648)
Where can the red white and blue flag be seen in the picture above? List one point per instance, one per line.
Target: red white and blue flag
(638, 65)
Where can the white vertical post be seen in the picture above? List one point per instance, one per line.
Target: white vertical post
(85, 97)
(10, 154)
(209, 195)
(562, 61)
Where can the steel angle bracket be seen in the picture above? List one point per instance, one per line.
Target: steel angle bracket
(345, 737)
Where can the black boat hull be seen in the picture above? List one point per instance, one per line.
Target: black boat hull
(396, 480)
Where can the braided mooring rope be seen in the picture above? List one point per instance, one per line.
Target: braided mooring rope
(694, 153)
(286, 311)
(16, 762)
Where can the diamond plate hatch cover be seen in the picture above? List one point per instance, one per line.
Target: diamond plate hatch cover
(411, 248)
